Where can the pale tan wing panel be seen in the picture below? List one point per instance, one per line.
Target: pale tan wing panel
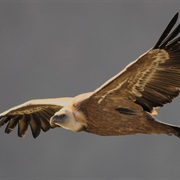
(34, 113)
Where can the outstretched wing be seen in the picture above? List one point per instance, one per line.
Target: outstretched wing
(153, 79)
(34, 113)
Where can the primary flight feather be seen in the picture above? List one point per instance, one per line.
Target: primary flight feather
(123, 105)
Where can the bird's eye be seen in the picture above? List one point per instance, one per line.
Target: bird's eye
(62, 116)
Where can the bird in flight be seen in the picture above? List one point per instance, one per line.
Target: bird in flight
(123, 105)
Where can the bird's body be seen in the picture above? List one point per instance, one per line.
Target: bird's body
(121, 106)
(124, 118)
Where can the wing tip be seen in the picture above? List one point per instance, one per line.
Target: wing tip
(166, 37)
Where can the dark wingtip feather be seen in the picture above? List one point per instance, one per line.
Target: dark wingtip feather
(4, 120)
(12, 124)
(22, 128)
(167, 31)
(35, 126)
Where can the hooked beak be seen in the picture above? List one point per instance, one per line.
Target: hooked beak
(54, 121)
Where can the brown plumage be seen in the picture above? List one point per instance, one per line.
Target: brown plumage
(123, 105)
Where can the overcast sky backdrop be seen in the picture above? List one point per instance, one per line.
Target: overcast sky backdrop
(56, 49)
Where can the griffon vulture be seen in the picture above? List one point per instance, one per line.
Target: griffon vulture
(121, 106)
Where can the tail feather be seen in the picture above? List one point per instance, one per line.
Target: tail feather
(176, 130)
